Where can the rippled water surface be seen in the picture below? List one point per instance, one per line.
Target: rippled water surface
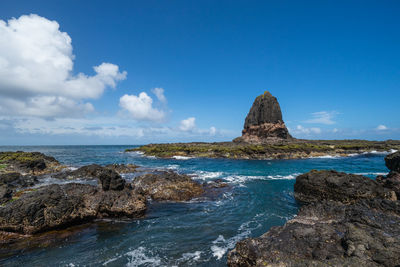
(197, 233)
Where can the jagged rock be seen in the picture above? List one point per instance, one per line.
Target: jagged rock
(339, 186)
(59, 206)
(17, 180)
(349, 220)
(264, 122)
(168, 186)
(110, 180)
(393, 161)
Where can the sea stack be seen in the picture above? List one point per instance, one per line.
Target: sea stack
(264, 122)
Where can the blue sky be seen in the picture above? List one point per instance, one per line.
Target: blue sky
(333, 65)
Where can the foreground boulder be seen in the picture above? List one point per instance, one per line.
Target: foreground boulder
(28, 162)
(168, 185)
(59, 206)
(347, 221)
(264, 122)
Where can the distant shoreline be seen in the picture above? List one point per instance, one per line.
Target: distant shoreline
(295, 149)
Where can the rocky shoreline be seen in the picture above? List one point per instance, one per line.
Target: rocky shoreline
(294, 149)
(27, 211)
(345, 220)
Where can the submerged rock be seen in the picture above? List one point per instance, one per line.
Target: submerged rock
(349, 220)
(59, 206)
(168, 185)
(264, 122)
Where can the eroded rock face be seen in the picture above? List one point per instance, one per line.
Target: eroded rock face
(264, 122)
(59, 206)
(168, 186)
(354, 226)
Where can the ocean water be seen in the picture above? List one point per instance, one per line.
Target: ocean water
(195, 233)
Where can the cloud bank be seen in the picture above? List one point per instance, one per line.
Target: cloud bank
(36, 71)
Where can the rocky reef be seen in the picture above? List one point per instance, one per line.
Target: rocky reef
(345, 220)
(293, 149)
(264, 123)
(28, 163)
(27, 209)
(168, 185)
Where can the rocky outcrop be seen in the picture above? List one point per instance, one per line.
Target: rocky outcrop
(29, 162)
(348, 220)
(110, 180)
(392, 180)
(168, 186)
(59, 206)
(10, 182)
(347, 188)
(94, 171)
(264, 122)
(392, 161)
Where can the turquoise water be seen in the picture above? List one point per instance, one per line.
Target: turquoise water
(197, 233)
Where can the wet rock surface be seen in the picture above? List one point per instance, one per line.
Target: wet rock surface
(168, 186)
(59, 206)
(348, 220)
(264, 122)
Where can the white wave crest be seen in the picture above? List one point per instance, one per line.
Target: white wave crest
(140, 256)
(205, 175)
(182, 157)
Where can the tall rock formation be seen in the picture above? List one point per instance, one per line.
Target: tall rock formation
(264, 122)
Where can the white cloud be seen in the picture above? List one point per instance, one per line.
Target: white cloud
(302, 130)
(188, 124)
(141, 107)
(381, 128)
(213, 130)
(159, 92)
(323, 117)
(36, 71)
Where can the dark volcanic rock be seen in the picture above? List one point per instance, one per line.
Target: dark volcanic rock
(59, 206)
(393, 161)
(110, 180)
(335, 228)
(392, 180)
(92, 171)
(264, 122)
(316, 186)
(17, 180)
(168, 186)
